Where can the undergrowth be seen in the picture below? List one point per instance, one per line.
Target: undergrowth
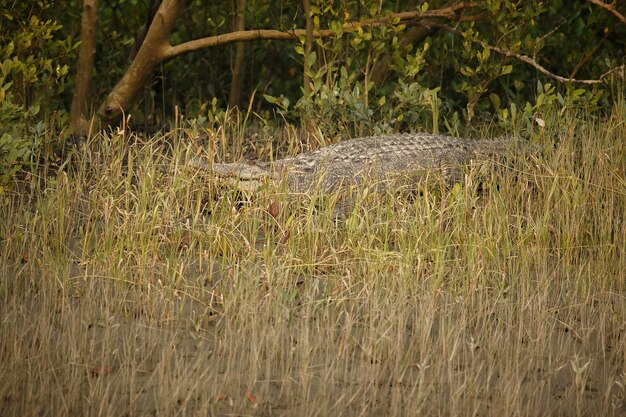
(132, 285)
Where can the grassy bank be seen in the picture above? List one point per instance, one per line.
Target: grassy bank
(130, 285)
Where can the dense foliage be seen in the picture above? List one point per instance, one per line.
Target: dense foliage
(34, 64)
(431, 75)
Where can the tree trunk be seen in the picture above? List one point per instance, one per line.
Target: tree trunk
(151, 53)
(143, 31)
(240, 48)
(156, 47)
(84, 68)
(309, 124)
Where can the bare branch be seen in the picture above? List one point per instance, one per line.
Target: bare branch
(246, 35)
(157, 47)
(452, 12)
(589, 54)
(610, 8)
(530, 61)
(544, 71)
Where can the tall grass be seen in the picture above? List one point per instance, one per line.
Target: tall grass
(130, 285)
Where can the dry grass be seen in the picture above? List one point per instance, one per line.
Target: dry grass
(132, 287)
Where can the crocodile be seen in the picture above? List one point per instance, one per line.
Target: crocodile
(369, 160)
(352, 161)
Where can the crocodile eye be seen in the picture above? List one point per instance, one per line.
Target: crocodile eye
(306, 165)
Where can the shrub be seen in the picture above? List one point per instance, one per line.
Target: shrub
(33, 72)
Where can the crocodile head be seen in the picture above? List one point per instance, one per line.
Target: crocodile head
(243, 176)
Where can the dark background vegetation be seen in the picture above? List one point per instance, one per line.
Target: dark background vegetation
(434, 78)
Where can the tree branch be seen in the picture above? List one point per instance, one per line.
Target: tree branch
(544, 71)
(589, 54)
(610, 8)
(451, 13)
(156, 47)
(530, 61)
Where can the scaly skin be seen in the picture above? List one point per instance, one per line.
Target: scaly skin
(372, 158)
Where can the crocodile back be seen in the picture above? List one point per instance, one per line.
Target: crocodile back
(380, 157)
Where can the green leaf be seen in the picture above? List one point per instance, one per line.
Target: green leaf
(33, 110)
(272, 99)
(467, 71)
(495, 101)
(540, 99)
(6, 67)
